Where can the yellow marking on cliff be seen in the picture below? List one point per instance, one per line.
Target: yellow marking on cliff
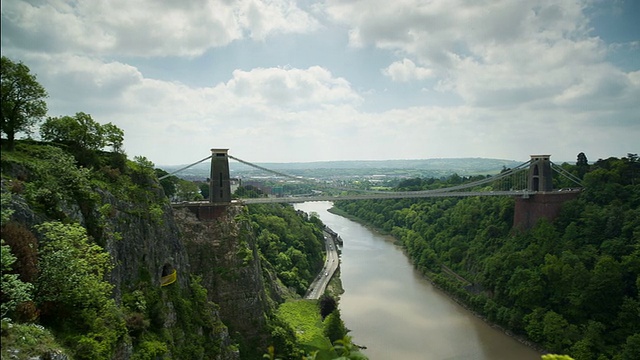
(169, 279)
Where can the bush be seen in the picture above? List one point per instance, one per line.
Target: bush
(24, 246)
(14, 291)
(30, 341)
(73, 270)
(150, 350)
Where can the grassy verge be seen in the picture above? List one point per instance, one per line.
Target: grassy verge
(304, 317)
(25, 341)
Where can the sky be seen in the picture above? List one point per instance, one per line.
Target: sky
(303, 81)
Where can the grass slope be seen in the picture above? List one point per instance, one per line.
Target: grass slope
(304, 317)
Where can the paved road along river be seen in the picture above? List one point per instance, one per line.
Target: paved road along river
(396, 313)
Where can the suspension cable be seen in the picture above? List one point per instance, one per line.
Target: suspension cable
(507, 173)
(515, 170)
(185, 168)
(267, 170)
(560, 170)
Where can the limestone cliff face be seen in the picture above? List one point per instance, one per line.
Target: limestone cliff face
(144, 247)
(143, 239)
(223, 252)
(140, 243)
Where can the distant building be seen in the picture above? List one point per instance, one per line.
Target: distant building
(258, 185)
(235, 183)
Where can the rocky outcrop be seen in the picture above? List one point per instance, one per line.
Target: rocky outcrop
(143, 239)
(140, 243)
(222, 251)
(145, 248)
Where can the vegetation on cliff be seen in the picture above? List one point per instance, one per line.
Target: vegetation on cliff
(81, 265)
(79, 275)
(67, 214)
(571, 285)
(291, 242)
(290, 246)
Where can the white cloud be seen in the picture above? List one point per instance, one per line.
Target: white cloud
(491, 54)
(146, 27)
(263, 18)
(285, 87)
(406, 70)
(261, 103)
(519, 77)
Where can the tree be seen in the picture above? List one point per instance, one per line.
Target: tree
(327, 305)
(168, 184)
(21, 98)
(14, 291)
(631, 349)
(582, 164)
(556, 357)
(72, 269)
(582, 160)
(187, 191)
(113, 136)
(334, 328)
(248, 191)
(80, 130)
(204, 189)
(347, 349)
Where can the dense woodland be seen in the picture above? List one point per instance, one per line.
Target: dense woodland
(570, 285)
(290, 242)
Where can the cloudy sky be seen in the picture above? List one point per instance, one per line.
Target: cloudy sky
(290, 81)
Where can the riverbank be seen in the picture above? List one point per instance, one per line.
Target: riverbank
(438, 281)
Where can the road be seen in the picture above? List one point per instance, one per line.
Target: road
(319, 285)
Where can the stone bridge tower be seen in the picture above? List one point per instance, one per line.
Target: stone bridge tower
(540, 177)
(219, 181)
(545, 203)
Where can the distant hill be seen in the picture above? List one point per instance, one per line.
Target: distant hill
(357, 168)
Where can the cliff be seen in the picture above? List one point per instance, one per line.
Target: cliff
(223, 253)
(124, 211)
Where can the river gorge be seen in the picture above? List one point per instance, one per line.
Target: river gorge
(396, 313)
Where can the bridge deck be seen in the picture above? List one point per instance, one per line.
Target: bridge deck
(389, 195)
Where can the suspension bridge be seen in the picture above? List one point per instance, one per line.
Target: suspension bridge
(532, 177)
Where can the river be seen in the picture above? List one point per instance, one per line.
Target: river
(396, 313)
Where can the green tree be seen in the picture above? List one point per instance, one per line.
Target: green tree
(582, 164)
(327, 305)
(347, 350)
(113, 136)
(557, 331)
(72, 269)
(22, 102)
(187, 191)
(605, 289)
(248, 191)
(168, 183)
(14, 291)
(290, 242)
(631, 349)
(79, 130)
(73, 293)
(334, 328)
(204, 189)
